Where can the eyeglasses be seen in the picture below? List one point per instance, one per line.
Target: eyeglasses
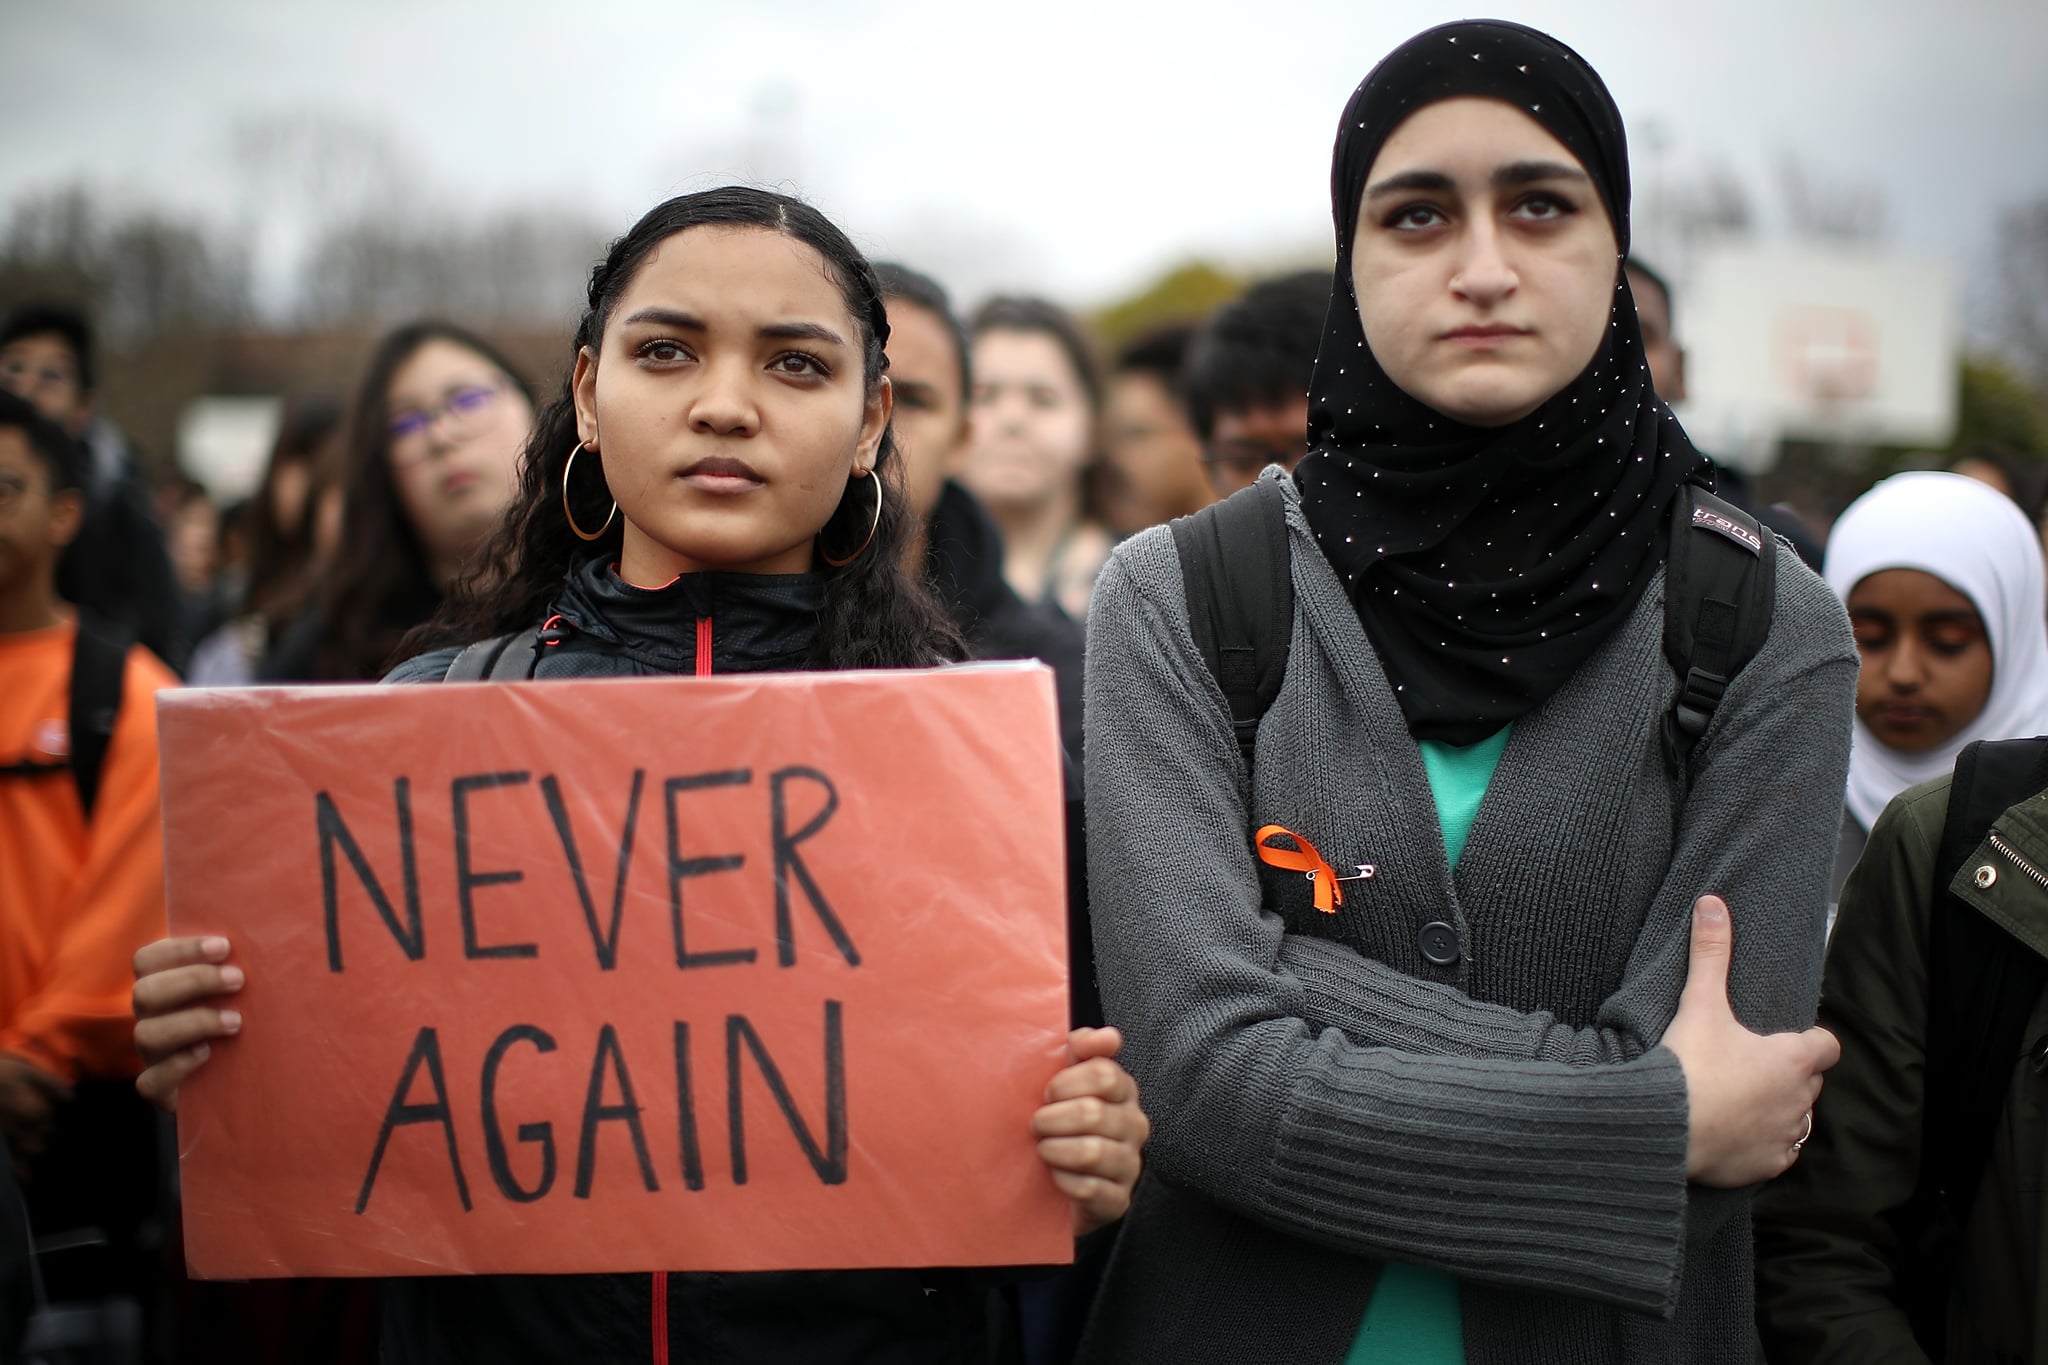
(463, 407)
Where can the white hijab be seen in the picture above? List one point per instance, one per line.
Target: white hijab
(1974, 539)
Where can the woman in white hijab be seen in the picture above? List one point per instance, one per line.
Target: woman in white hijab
(1942, 576)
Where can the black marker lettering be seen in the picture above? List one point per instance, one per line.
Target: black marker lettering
(333, 830)
(595, 1111)
(467, 881)
(789, 862)
(494, 1135)
(686, 1113)
(680, 867)
(606, 942)
(426, 1048)
(830, 1164)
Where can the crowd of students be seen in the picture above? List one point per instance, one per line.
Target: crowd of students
(1478, 812)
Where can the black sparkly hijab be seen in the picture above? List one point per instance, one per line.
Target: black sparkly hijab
(1487, 563)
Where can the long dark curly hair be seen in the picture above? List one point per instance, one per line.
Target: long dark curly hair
(381, 586)
(874, 615)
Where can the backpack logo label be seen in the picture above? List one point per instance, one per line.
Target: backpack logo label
(1707, 519)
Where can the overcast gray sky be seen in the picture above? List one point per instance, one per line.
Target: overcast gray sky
(1071, 147)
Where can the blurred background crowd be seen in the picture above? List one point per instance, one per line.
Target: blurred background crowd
(294, 274)
(1852, 231)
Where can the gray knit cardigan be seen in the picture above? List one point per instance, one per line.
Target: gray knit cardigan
(1324, 1097)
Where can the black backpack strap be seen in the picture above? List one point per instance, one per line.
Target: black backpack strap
(1235, 572)
(1720, 590)
(1982, 986)
(502, 658)
(99, 667)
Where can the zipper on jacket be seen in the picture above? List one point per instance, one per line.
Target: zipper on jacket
(2012, 856)
(661, 1276)
(661, 1317)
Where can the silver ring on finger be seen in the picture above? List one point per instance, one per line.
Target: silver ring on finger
(1805, 1135)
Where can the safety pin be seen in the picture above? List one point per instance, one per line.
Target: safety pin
(1366, 872)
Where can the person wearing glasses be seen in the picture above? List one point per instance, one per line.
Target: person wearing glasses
(1245, 379)
(432, 464)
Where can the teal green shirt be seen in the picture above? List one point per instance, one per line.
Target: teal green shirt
(1414, 1318)
(1458, 780)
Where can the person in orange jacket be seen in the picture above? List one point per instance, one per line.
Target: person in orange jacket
(79, 892)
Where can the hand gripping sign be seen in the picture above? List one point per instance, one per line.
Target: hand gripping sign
(691, 974)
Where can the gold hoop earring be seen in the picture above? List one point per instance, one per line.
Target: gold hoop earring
(873, 526)
(570, 516)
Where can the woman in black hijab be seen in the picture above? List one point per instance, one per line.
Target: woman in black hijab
(1464, 542)
(1474, 1089)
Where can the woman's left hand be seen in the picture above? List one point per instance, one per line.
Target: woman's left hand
(1091, 1130)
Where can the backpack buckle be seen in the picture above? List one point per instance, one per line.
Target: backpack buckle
(1697, 699)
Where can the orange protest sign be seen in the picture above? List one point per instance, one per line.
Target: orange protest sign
(749, 973)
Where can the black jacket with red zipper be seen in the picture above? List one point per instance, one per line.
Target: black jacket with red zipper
(703, 623)
(964, 566)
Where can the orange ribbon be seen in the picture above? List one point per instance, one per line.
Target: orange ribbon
(1302, 858)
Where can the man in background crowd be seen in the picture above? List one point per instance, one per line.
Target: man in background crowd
(117, 567)
(2020, 478)
(1245, 380)
(81, 870)
(1667, 374)
(960, 553)
(1152, 468)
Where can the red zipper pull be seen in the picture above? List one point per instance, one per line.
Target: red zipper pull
(661, 1317)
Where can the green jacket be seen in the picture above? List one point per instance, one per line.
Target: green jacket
(1829, 1234)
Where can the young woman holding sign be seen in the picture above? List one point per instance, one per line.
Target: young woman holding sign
(725, 436)
(1494, 1105)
